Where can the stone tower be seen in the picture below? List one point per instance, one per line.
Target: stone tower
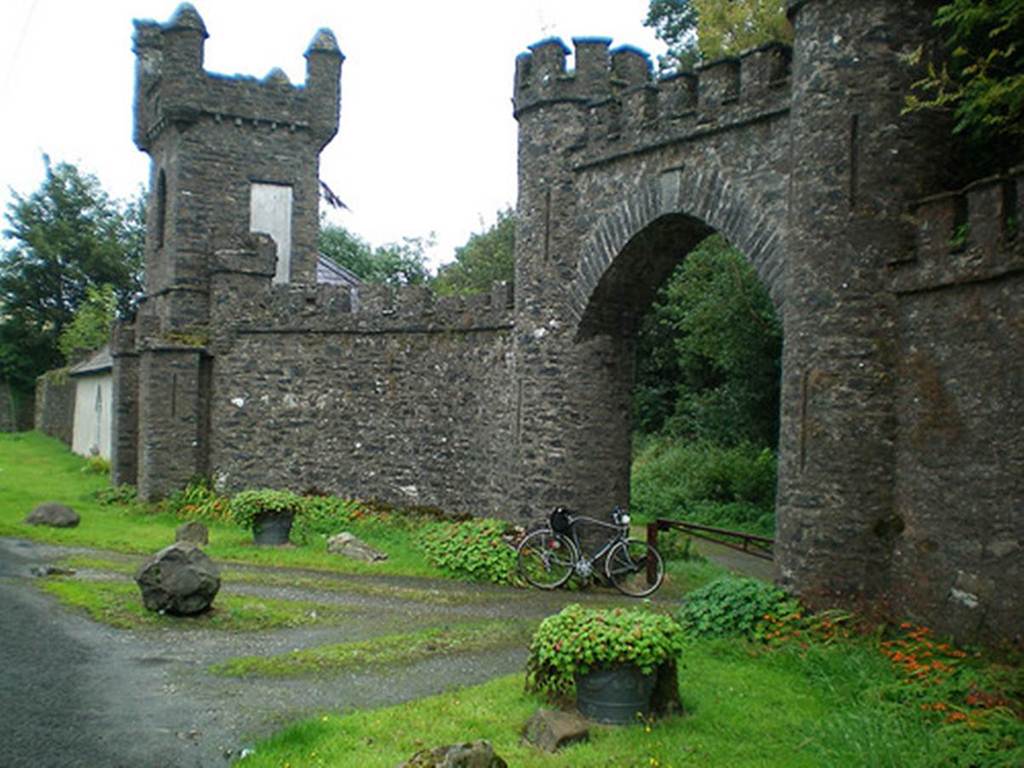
(857, 165)
(231, 156)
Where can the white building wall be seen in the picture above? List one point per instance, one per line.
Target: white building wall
(93, 410)
(270, 212)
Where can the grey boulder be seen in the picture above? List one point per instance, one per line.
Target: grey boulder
(179, 579)
(551, 730)
(348, 545)
(193, 532)
(54, 515)
(477, 754)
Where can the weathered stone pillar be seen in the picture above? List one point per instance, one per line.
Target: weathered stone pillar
(856, 164)
(124, 419)
(173, 415)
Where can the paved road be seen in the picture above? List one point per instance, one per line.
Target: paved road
(73, 693)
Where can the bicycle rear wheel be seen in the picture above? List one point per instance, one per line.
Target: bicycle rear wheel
(627, 566)
(546, 559)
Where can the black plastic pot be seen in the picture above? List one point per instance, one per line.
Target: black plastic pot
(271, 529)
(616, 695)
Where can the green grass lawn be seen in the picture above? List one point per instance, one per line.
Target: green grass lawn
(834, 701)
(35, 468)
(744, 707)
(384, 651)
(119, 604)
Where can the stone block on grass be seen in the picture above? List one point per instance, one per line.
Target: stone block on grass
(53, 514)
(550, 729)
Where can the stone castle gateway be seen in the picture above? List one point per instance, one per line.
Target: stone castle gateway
(901, 477)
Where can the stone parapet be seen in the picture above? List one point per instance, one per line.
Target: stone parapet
(965, 236)
(626, 108)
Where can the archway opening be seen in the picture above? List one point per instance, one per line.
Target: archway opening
(707, 341)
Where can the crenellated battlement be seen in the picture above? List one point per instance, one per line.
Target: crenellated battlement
(173, 88)
(372, 309)
(965, 236)
(251, 303)
(622, 99)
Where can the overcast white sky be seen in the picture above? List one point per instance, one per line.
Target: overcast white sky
(427, 140)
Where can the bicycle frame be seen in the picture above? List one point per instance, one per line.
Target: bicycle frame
(584, 564)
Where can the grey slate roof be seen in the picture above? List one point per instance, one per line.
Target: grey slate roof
(331, 272)
(98, 362)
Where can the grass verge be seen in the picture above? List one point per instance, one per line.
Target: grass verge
(120, 605)
(35, 468)
(302, 580)
(745, 707)
(388, 650)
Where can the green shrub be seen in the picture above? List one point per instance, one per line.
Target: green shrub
(199, 501)
(472, 549)
(705, 483)
(734, 606)
(246, 506)
(123, 494)
(97, 465)
(675, 545)
(321, 517)
(578, 640)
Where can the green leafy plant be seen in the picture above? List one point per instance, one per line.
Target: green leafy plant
(199, 501)
(958, 241)
(730, 487)
(322, 516)
(980, 705)
(980, 77)
(676, 545)
(733, 606)
(246, 506)
(97, 465)
(123, 494)
(578, 640)
(472, 549)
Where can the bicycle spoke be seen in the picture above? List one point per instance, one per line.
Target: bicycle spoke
(545, 559)
(628, 567)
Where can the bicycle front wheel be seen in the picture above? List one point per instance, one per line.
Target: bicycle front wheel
(628, 564)
(546, 559)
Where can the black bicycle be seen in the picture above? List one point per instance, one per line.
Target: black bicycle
(547, 557)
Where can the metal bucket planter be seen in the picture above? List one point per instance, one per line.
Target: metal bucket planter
(271, 529)
(615, 695)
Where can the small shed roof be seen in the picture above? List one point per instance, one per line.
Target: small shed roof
(331, 272)
(99, 361)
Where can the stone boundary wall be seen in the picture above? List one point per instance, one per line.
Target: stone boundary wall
(381, 393)
(55, 405)
(16, 409)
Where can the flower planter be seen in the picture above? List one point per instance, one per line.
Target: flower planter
(615, 695)
(272, 529)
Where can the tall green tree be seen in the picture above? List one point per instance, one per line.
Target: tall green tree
(67, 237)
(709, 353)
(704, 30)
(487, 257)
(90, 328)
(402, 263)
(979, 78)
